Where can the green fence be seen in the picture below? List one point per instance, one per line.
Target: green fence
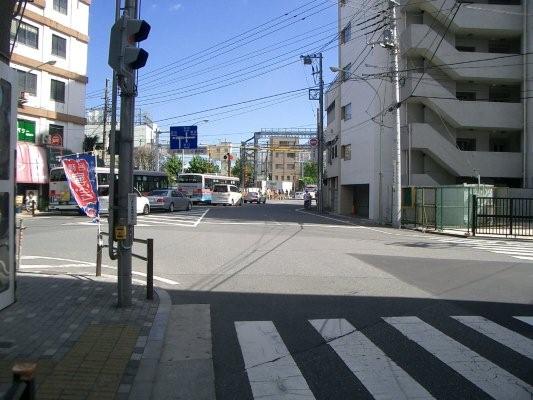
(443, 207)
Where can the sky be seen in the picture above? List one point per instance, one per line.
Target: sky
(233, 63)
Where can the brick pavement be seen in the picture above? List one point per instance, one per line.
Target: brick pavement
(84, 345)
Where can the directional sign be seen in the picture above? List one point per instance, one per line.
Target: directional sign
(313, 142)
(183, 137)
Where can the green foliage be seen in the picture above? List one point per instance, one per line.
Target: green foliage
(172, 167)
(202, 165)
(89, 143)
(237, 170)
(310, 173)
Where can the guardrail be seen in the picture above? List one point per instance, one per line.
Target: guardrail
(149, 258)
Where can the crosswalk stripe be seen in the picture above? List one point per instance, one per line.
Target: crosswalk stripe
(272, 372)
(500, 384)
(496, 332)
(527, 320)
(377, 372)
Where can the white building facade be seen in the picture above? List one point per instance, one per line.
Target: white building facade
(465, 82)
(49, 40)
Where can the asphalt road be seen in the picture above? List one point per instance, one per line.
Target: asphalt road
(299, 299)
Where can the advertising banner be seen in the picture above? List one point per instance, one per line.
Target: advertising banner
(81, 176)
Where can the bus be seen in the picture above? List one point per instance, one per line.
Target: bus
(60, 199)
(198, 187)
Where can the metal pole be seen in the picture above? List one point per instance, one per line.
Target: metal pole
(157, 132)
(124, 226)
(320, 205)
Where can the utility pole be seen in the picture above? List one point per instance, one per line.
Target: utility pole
(320, 126)
(397, 173)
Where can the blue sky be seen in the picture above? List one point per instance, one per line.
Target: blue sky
(235, 63)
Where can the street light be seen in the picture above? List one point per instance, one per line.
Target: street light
(22, 97)
(380, 190)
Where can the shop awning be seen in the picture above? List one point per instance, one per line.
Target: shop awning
(32, 166)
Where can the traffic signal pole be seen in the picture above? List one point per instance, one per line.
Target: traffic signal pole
(125, 58)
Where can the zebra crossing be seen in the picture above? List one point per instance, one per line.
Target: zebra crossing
(273, 372)
(522, 250)
(179, 218)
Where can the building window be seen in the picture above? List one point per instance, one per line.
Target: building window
(291, 167)
(57, 91)
(291, 155)
(59, 46)
(470, 49)
(346, 72)
(347, 112)
(346, 33)
(27, 34)
(27, 82)
(279, 166)
(346, 152)
(61, 6)
(465, 144)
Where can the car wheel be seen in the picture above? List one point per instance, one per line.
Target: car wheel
(171, 207)
(189, 207)
(146, 209)
(240, 202)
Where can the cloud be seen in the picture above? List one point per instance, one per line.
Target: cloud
(175, 7)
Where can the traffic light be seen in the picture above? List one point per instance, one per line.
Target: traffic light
(124, 55)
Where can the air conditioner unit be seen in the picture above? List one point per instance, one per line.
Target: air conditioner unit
(45, 139)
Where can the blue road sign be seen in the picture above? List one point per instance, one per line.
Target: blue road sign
(183, 137)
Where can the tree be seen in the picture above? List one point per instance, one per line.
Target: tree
(202, 165)
(238, 169)
(89, 143)
(172, 166)
(144, 158)
(310, 172)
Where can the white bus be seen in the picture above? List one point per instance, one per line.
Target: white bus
(60, 199)
(199, 187)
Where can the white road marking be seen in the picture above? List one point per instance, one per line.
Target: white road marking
(272, 372)
(500, 334)
(382, 377)
(527, 320)
(81, 264)
(486, 375)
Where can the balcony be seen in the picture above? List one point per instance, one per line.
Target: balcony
(462, 163)
(459, 65)
(476, 18)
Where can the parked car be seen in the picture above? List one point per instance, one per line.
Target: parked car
(143, 205)
(299, 195)
(226, 195)
(169, 200)
(255, 197)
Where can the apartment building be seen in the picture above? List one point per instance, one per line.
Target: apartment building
(465, 82)
(49, 39)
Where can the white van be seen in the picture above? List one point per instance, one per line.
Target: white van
(226, 195)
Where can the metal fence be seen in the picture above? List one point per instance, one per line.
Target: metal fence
(502, 216)
(474, 209)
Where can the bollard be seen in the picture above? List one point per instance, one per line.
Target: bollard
(150, 269)
(25, 373)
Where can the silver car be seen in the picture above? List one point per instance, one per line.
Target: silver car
(169, 200)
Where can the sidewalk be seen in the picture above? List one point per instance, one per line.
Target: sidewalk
(86, 347)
